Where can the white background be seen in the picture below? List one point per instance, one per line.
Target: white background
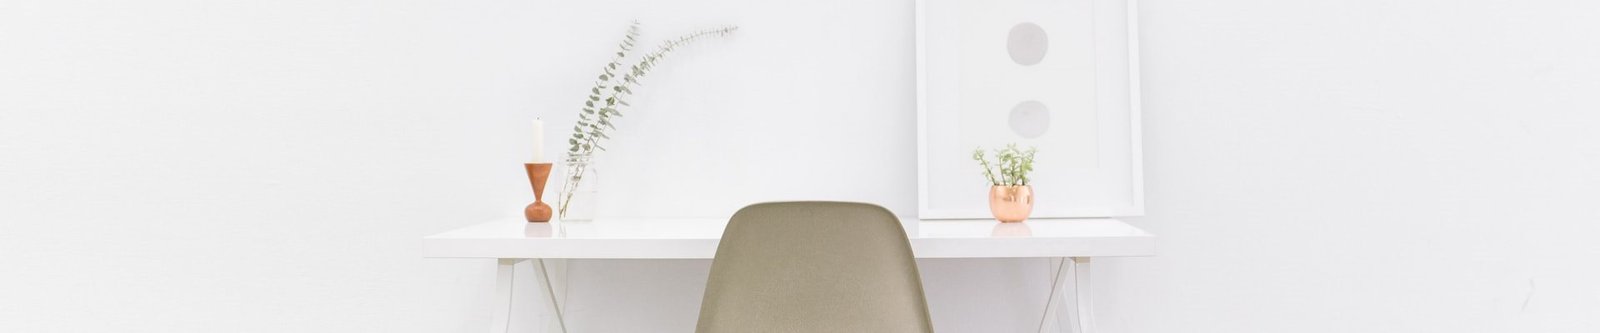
(1312, 166)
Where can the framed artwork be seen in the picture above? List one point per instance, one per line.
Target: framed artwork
(1058, 75)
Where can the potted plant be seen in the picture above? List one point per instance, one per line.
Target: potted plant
(1010, 196)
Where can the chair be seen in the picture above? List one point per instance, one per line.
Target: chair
(814, 267)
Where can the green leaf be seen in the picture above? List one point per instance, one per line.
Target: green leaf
(595, 90)
(594, 98)
(625, 103)
(604, 77)
(589, 103)
(572, 141)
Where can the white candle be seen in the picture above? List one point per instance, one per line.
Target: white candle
(538, 140)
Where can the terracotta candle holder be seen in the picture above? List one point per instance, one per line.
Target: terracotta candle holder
(538, 174)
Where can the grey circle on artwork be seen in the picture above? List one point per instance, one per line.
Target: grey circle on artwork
(1027, 43)
(1030, 119)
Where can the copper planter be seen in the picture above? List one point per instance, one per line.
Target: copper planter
(1011, 203)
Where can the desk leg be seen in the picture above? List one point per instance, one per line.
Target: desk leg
(1083, 319)
(500, 321)
(1058, 278)
(1082, 294)
(550, 293)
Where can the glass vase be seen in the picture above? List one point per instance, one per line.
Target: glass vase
(578, 189)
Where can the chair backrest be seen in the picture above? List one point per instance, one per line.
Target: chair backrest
(814, 267)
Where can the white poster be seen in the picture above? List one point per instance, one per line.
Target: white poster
(1023, 72)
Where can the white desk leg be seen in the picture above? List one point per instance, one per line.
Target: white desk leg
(1051, 305)
(1083, 309)
(500, 321)
(550, 293)
(1082, 294)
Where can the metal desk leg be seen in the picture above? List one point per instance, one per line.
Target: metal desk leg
(505, 278)
(550, 293)
(1083, 295)
(1083, 314)
(500, 320)
(1057, 279)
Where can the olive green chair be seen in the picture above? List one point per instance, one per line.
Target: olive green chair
(814, 267)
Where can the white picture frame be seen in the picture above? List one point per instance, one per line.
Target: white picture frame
(1113, 188)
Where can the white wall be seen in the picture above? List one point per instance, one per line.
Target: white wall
(1312, 166)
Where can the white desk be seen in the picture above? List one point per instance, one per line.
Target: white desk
(1071, 241)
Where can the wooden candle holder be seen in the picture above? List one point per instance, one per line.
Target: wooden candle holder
(538, 174)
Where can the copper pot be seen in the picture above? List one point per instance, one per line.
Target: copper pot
(1011, 203)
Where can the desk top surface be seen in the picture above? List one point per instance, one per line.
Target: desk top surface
(638, 238)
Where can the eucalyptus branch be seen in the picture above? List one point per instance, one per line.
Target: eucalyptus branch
(589, 118)
(590, 139)
(614, 86)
